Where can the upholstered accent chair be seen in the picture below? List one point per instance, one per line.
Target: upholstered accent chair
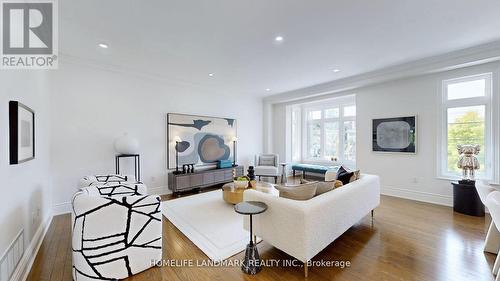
(267, 165)
(106, 179)
(116, 231)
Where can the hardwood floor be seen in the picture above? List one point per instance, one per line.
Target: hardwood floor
(408, 241)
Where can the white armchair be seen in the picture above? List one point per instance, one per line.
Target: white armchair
(114, 236)
(267, 165)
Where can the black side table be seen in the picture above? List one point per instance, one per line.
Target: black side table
(252, 263)
(466, 200)
(137, 164)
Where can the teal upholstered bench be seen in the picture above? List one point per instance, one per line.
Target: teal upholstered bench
(317, 169)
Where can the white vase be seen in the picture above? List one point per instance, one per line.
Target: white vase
(126, 145)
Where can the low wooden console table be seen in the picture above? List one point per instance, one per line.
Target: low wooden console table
(201, 179)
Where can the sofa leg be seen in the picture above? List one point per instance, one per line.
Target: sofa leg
(492, 241)
(294, 174)
(306, 270)
(275, 180)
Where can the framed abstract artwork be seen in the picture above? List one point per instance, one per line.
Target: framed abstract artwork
(21, 133)
(199, 140)
(395, 134)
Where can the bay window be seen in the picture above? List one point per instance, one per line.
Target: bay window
(328, 131)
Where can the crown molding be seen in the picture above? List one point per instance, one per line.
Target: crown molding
(476, 55)
(66, 58)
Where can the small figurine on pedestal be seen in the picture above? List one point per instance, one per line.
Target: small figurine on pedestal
(468, 162)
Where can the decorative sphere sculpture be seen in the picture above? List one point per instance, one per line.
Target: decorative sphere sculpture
(468, 161)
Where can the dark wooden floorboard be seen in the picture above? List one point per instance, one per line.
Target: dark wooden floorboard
(408, 241)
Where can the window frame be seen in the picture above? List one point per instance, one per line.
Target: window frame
(445, 104)
(339, 103)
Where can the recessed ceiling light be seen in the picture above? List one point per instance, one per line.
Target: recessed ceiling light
(278, 38)
(211, 74)
(268, 90)
(336, 70)
(103, 45)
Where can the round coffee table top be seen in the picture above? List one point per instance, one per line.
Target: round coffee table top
(250, 207)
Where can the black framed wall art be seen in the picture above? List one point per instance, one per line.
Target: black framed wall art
(21, 133)
(397, 134)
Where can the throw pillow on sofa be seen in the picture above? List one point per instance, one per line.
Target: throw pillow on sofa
(344, 175)
(324, 187)
(298, 192)
(355, 176)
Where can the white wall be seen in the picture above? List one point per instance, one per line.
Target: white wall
(26, 188)
(93, 106)
(409, 176)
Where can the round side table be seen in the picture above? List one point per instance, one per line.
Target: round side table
(252, 263)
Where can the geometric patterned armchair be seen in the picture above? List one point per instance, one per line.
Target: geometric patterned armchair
(114, 236)
(106, 179)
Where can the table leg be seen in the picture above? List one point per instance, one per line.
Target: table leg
(251, 264)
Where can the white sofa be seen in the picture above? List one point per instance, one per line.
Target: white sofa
(303, 228)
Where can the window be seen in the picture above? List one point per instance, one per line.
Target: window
(328, 131)
(466, 114)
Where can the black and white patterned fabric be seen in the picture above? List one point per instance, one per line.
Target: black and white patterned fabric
(117, 189)
(106, 179)
(114, 236)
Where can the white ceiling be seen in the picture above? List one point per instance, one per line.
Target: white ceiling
(183, 41)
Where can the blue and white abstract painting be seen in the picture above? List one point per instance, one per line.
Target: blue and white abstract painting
(201, 140)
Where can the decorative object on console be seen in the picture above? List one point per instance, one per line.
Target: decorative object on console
(126, 145)
(21, 133)
(205, 139)
(137, 164)
(468, 161)
(178, 147)
(187, 168)
(224, 164)
(395, 134)
(130, 240)
(235, 139)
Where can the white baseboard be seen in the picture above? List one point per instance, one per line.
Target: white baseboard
(61, 208)
(421, 196)
(160, 190)
(26, 262)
